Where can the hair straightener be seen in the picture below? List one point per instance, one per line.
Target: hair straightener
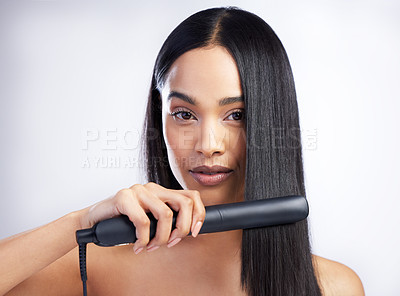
(224, 217)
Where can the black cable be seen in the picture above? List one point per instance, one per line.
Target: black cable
(84, 288)
(82, 264)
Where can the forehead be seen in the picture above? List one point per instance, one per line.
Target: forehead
(205, 74)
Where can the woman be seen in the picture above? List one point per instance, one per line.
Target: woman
(221, 126)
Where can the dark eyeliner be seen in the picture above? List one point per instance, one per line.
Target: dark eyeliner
(241, 111)
(178, 111)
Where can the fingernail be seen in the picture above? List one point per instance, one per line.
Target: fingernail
(196, 229)
(173, 236)
(174, 242)
(152, 248)
(137, 251)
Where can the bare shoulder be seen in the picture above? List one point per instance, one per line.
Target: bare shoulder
(336, 278)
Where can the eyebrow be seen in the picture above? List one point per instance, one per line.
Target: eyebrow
(186, 98)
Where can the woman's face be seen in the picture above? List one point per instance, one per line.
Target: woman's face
(203, 124)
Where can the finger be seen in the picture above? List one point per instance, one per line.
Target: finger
(128, 204)
(181, 203)
(161, 212)
(199, 211)
(184, 206)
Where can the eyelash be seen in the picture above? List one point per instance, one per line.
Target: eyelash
(179, 111)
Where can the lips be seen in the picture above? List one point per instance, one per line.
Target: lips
(210, 176)
(210, 170)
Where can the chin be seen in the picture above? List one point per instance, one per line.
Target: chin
(213, 195)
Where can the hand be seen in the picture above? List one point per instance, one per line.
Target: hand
(135, 201)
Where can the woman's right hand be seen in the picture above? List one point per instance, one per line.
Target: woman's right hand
(20, 274)
(137, 200)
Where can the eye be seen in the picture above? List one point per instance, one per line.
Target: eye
(182, 115)
(237, 115)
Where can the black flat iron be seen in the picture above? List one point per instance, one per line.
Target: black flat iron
(224, 217)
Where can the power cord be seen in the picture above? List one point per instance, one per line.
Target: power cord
(83, 237)
(82, 265)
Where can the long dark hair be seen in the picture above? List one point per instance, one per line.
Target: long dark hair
(275, 260)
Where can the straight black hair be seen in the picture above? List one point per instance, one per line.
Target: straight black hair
(275, 260)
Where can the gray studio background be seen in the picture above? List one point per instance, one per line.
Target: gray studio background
(74, 78)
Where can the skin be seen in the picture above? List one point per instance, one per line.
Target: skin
(188, 265)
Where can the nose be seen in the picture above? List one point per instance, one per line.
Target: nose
(211, 139)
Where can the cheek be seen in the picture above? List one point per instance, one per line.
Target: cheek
(180, 142)
(238, 142)
(178, 138)
(238, 145)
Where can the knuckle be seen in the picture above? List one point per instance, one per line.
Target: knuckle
(184, 230)
(144, 221)
(150, 185)
(158, 241)
(122, 192)
(166, 213)
(122, 195)
(136, 187)
(195, 193)
(188, 202)
(143, 241)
